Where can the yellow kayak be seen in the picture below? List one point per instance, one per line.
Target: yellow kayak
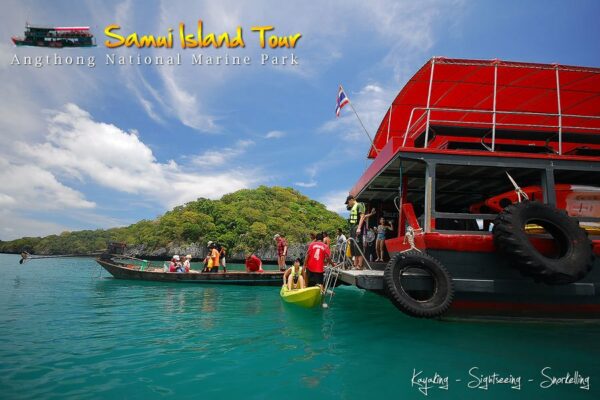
(308, 297)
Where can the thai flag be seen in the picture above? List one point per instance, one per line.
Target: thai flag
(342, 100)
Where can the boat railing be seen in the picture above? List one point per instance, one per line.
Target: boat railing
(425, 121)
(341, 257)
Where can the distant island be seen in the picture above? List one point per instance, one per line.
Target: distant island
(242, 221)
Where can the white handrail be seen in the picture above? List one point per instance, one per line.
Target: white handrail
(411, 125)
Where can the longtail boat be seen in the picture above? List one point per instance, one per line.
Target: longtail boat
(122, 270)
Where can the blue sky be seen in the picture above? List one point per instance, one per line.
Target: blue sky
(86, 148)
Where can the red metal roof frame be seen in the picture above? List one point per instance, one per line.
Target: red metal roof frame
(525, 96)
(72, 28)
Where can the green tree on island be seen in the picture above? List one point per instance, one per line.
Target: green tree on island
(243, 220)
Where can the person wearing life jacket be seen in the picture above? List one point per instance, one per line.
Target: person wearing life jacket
(294, 276)
(356, 221)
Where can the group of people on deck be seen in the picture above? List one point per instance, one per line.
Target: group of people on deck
(359, 231)
(215, 258)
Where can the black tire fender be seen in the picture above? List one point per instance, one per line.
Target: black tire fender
(575, 255)
(443, 294)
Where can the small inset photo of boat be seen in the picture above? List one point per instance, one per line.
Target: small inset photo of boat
(57, 37)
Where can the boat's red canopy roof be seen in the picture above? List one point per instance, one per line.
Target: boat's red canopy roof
(528, 88)
(72, 28)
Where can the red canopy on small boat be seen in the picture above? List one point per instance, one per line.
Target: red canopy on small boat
(465, 93)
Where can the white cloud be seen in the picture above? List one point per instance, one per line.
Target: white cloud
(306, 184)
(405, 30)
(86, 149)
(371, 104)
(5, 56)
(334, 201)
(29, 186)
(14, 226)
(275, 135)
(311, 172)
(217, 157)
(186, 105)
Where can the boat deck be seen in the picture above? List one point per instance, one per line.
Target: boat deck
(373, 280)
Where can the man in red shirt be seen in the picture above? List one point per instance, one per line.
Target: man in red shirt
(317, 255)
(282, 248)
(253, 264)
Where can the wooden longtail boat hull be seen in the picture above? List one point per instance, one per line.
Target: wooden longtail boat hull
(122, 271)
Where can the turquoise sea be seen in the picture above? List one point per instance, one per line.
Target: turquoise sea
(68, 330)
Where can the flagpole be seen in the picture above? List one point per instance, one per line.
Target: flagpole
(361, 123)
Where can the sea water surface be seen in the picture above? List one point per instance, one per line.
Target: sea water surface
(69, 330)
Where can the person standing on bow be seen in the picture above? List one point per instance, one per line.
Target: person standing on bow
(282, 248)
(222, 254)
(213, 258)
(356, 220)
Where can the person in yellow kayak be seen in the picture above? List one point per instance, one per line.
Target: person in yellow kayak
(293, 276)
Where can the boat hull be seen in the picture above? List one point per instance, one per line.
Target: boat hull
(121, 271)
(486, 286)
(53, 44)
(308, 297)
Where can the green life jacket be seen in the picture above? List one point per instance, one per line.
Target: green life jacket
(357, 209)
(294, 274)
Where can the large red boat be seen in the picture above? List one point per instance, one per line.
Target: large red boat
(57, 37)
(492, 169)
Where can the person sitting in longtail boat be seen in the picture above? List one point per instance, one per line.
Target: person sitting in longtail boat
(186, 263)
(293, 276)
(253, 263)
(173, 263)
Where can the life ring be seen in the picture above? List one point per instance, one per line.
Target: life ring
(574, 256)
(443, 289)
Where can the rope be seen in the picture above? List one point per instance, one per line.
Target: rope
(410, 237)
(520, 193)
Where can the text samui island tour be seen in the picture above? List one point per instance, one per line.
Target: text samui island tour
(324, 200)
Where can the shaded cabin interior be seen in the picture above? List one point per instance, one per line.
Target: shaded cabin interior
(457, 185)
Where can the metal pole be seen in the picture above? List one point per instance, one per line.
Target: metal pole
(361, 123)
(389, 123)
(559, 111)
(548, 186)
(428, 102)
(429, 201)
(494, 113)
(408, 127)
